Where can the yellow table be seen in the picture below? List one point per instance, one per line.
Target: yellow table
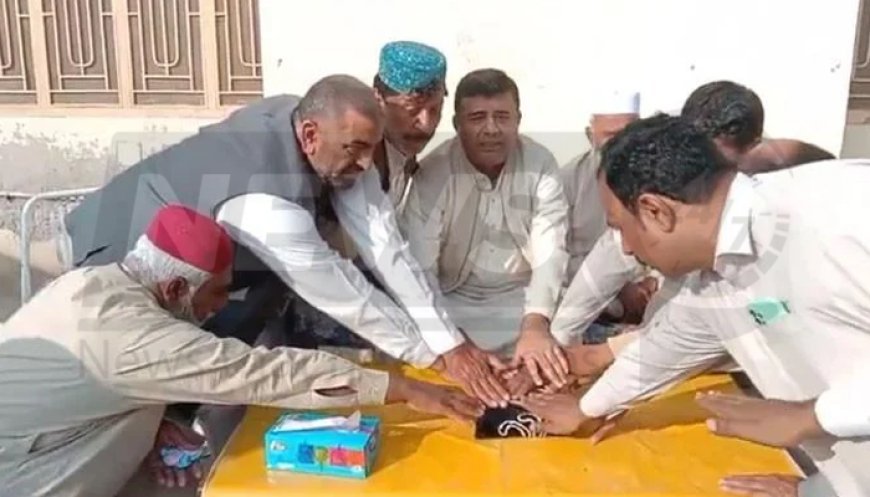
(662, 448)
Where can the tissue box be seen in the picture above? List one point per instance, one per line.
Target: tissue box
(333, 450)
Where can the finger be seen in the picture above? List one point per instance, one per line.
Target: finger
(196, 471)
(181, 477)
(547, 363)
(605, 429)
(754, 486)
(562, 361)
(460, 411)
(478, 391)
(168, 477)
(532, 367)
(496, 363)
(559, 364)
(743, 429)
(725, 407)
(496, 386)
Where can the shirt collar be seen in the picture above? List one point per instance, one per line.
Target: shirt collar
(735, 237)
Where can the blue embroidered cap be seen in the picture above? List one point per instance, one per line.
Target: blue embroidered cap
(406, 66)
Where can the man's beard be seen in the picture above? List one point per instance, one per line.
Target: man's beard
(185, 311)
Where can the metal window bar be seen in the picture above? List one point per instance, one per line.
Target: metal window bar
(71, 196)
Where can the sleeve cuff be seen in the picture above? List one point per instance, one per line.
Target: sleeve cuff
(372, 386)
(545, 311)
(436, 344)
(592, 406)
(838, 414)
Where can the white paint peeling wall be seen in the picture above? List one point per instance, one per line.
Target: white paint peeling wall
(46, 153)
(795, 53)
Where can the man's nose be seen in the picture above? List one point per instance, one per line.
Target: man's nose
(366, 160)
(427, 121)
(491, 127)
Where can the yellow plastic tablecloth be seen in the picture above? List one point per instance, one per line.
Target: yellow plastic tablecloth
(661, 448)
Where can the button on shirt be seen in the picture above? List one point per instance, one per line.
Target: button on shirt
(788, 298)
(413, 327)
(498, 264)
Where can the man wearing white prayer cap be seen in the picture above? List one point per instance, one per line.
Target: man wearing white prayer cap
(613, 110)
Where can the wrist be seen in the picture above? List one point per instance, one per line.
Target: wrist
(584, 359)
(810, 427)
(535, 323)
(397, 389)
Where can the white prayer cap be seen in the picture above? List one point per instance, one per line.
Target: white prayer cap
(616, 102)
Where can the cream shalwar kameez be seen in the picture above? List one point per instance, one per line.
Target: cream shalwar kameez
(88, 365)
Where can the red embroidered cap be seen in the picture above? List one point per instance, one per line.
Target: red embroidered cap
(191, 237)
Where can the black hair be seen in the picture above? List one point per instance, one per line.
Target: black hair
(333, 95)
(485, 83)
(663, 155)
(724, 109)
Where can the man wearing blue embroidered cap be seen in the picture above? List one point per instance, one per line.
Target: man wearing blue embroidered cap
(410, 88)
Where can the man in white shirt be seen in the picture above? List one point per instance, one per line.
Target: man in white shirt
(772, 270)
(486, 218)
(733, 116)
(267, 173)
(614, 109)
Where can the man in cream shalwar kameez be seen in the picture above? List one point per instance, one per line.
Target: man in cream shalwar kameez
(89, 364)
(493, 242)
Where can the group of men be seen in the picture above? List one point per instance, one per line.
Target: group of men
(484, 260)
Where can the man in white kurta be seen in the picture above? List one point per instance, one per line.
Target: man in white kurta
(604, 284)
(486, 218)
(776, 275)
(88, 365)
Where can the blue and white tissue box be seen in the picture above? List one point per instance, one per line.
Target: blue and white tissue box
(319, 443)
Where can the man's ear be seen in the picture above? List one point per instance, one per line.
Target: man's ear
(455, 122)
(589, 134)
(308, 136)
(175, 290)
(380, 98)
(657, 212)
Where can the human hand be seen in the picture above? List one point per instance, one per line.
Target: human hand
(475, 370)
(589, 361)
(173, 434)
(435, 399)
(776, 423)
(559, 412)
(762, 485)
(540, 353)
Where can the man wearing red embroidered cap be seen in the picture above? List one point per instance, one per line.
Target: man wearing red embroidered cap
(89, 364)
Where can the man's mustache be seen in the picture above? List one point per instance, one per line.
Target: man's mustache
(419, 136)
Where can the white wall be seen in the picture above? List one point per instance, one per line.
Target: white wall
(795, 53)
(44, 153)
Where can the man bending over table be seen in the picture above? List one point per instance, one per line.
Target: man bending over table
(89, 364)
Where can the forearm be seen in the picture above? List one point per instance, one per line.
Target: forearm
(370, 222)
(598, 281)
(284, 236)
(180, 363)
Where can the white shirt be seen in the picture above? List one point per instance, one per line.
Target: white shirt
(788, 299)
(284, 236)
(602, 274)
